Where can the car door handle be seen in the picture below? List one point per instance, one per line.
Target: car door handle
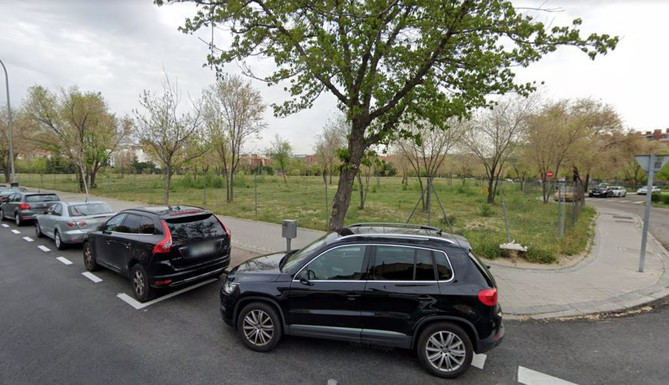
(352, 296)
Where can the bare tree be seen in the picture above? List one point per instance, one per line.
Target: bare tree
(280, 151)
(493, 135)
(233, 112)
(330, 142)
(170, 136)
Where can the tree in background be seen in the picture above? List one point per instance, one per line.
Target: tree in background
(233, 112)
(77, 125)
(386, 62)
(280, 152)
(493, 135)
(329, 143)
(170, 136)
(20, 125)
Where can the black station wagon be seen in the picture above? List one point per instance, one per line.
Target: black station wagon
(404, 286)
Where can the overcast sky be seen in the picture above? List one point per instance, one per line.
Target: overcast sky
(124, 46)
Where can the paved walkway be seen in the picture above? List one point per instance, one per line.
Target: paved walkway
(605, 280)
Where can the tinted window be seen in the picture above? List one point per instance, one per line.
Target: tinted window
(41, 198)
(394, 263)
(146, 226)
(57, 210)
(114, 223)
(89, 209)
(131, 224)
(342, 263)
(444, 271)
(194, 228)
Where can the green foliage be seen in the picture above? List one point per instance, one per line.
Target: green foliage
(486, 210)
(540, 255)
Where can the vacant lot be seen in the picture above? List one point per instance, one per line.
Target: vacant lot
(532, 222)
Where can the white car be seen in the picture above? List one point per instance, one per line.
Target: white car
(644, 190)
(618, 191)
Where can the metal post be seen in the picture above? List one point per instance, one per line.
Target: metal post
(255, 192)
(429, 188)
(561, 210)
(646, 214)
(327, 214)
(204, 188)
(506, 218)
(9, 128)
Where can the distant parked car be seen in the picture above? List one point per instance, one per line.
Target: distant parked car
(644, 190)
(567, 195)
(70, 222)
(600, 192)
(618, 191)
(159, 247)
(23, 206)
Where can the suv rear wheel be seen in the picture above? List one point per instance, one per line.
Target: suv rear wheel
(140, 283)
(259, 326)
(17, 219)
(445, 350)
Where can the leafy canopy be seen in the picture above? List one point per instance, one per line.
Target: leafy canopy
(388, 61)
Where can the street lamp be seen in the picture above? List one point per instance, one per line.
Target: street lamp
(9, 127)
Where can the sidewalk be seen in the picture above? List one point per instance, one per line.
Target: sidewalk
(605, 280)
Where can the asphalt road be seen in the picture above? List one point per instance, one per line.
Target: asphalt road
(59, 327)
(634, 204)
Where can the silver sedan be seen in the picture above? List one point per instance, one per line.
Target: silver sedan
(70, 222)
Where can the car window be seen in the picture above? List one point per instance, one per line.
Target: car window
(341, 263)
(115, 222)
(86, 209)
(195, 227)
(444, 270)
(57, 210)
(146, 225)
(131, 224)
(394, 263)
(42, 198)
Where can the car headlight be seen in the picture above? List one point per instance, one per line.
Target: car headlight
(229, 286)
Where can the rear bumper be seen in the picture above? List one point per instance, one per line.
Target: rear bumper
(74, 236)
(199, 273)
(492, 340)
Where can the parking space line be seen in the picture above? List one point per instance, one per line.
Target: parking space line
(91, 276)
(478, 360)
(44, 248)
(532, 377)
(16, 231)
(64, 260)
(27, 239)
(5, 225)
(139, 305)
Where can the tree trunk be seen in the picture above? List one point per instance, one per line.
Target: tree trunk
(349, 169)
(229, 186)
(285, 180)
(80, 179)
(330, 176)
(491, 190)
(362, 192)
(168, 180)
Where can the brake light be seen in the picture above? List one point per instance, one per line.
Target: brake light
(227, 230)
(165, 244)
(24, 206)
(75, 224)
(82, 224)
(488, 297)
(70, 224)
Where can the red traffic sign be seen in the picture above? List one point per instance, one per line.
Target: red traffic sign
(549, 174)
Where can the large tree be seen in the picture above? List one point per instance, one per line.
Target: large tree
(169, 135)
(388, 61)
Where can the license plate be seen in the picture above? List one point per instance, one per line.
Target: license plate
(205, 248)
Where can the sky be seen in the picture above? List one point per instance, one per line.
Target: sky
(122, 47)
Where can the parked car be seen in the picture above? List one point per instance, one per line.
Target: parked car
(644, 190)
(618, 191)
(159, 247)
(567, 195)
(600, 192)
(23, 206)
(4, 196)
(70, 222)
(411, 287)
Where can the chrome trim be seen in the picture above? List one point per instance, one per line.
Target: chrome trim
(400, 236)
(374, 280)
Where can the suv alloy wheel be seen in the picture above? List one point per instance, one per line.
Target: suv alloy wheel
(259, 326)
(445, 350)
(140, 283)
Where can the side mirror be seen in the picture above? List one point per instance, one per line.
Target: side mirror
(304, 278)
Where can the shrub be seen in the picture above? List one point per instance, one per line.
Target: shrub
(487, 210)
(665, 199)
(539, 255)
(655, 197)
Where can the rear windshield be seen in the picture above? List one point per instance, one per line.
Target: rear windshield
(41, 198)
(194, 228)
(86, 209)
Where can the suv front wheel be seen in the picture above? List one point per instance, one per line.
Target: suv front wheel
(445, 350)
(259, 326)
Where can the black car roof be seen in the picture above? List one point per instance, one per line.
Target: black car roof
(171, 211)
(401, 231)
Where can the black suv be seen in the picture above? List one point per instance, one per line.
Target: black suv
(23, 206)
(397, 285)
(159, 247)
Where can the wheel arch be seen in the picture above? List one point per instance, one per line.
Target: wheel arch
(243, 301)
(466, 325)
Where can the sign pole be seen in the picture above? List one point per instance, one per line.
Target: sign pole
(646, 214)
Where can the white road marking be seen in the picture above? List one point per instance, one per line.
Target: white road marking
(332, 381)
(5, 225)
(532, 377)
(141, 305)
(478, 360)
(64, 260)
(44, 248)
(91, 276)
(16, 231)
(639, 203)
(27, 239)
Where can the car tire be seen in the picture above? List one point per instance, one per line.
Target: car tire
(17, 219)
(445, 350)
(139, 280)
(89, 257)
(259, 326)
(38, 231)
(2, 215)
(60, 245)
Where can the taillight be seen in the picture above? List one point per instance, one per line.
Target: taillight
(82, 224)
(165, 244)
(227, 230)
(488, 297)
(24, 206)
(70, 224)
(75, 224)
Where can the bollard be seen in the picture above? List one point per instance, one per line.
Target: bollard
(288, 231)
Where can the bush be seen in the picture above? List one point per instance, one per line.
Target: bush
(487, 210)
(665, 199)
(535, 254)
(655, 197)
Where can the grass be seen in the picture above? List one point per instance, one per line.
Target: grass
(532, 223)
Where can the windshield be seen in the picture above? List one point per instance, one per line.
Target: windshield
(294, 259)
(86, 209)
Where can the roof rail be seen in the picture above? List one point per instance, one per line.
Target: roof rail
(400, 225)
